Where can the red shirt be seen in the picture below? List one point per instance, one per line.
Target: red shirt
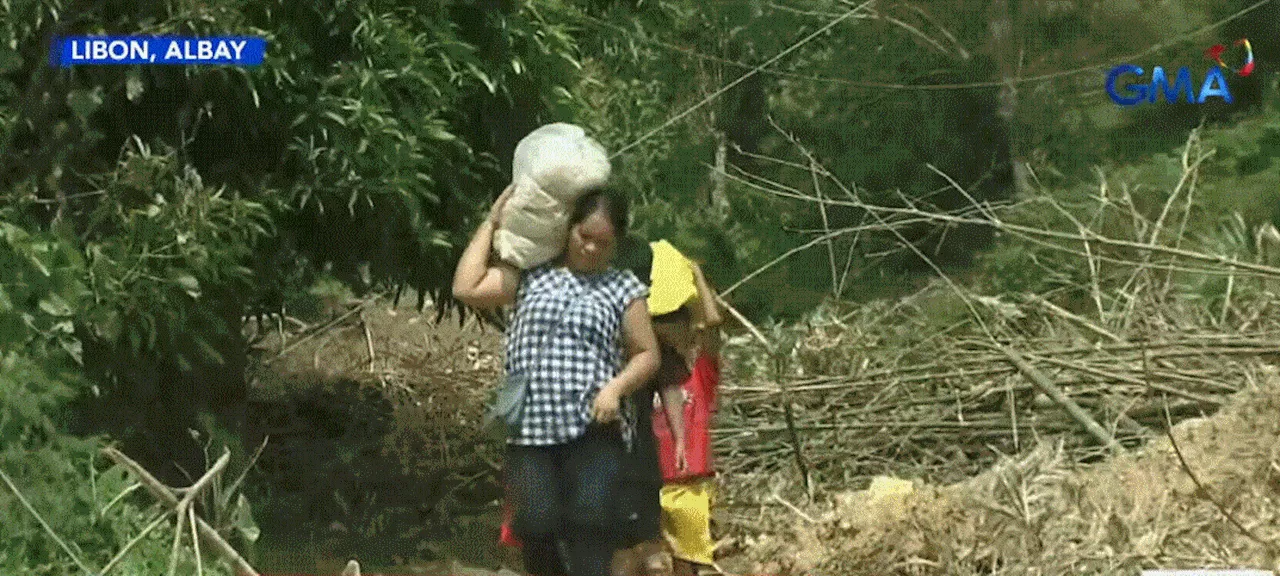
(699, 405)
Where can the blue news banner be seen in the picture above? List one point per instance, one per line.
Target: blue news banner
(107, 50)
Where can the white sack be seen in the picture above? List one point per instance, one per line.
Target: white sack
(552, 167)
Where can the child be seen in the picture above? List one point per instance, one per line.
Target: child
(684, 448)
(640, 549)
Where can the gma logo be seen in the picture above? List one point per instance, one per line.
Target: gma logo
(1131, 93)
(1127, 86)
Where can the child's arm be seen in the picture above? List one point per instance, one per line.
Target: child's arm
(706, 315)
(673, 404)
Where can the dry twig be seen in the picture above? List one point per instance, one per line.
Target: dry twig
(165, 495)
(26, 504)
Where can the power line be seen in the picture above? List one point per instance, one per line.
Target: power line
(740, 79)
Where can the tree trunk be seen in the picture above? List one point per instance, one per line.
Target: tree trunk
(1005, 47)
(719, 200)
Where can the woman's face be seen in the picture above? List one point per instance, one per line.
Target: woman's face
(591, 243)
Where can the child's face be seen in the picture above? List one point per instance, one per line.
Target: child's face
(677, 334)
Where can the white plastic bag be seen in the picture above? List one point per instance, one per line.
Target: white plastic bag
(552, 167)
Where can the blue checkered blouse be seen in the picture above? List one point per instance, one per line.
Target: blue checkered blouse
(566, 338)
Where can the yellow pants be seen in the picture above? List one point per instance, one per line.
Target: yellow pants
(686, 519)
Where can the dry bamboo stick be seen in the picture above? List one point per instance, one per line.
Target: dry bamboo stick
(1046, 386)
(844, 382)
(1127, 379)
(1082, 321)
(184, 506)
(325, 328)
(797, 444)
(999, 425)
(368, 340)
(1202, 346)
(43, 524)
(165, 495)
(758, 394)
(1086, 236)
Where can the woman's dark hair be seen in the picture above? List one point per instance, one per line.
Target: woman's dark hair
(615, 205)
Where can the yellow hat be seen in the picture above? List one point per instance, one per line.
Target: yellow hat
(671, 277)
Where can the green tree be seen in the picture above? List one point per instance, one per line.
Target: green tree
(363, 145)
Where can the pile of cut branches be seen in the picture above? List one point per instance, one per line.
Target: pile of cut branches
(1143, 308)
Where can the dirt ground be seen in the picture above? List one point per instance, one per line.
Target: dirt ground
(377, 458)
(381, 459)
(1042, 514)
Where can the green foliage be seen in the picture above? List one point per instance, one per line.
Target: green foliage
(388, 152)
(44, 274)
(372, 132)
(158, 242)
(93, 508)
(56, 473)
(38, 298)
(849, 97)
(363, 146)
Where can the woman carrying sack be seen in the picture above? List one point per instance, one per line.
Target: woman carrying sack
(573, 318)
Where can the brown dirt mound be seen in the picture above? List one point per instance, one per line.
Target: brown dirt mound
(380, 458)
(1043, 514)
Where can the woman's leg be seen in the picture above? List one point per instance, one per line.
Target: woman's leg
(632, 532)
(536, 491)
(591, 470)
(651, 553)
(624, 562)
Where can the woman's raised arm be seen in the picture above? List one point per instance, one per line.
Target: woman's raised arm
(707, 318)
(477, 282)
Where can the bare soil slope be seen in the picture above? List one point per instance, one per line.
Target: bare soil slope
(1042, 514)
(379, 457)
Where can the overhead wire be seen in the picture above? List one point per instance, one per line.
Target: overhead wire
(793, 47)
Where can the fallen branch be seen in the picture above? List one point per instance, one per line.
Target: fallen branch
(368, 340)
(1042, 382)
(1080, 320)
(324, 328)
(165, 495)
(794, 508)
(134, 542)
(779, 377)
(1128, 379)
(1228, 265)
(184, 506)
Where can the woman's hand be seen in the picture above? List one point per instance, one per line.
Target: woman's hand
(642, 348)
(604, 409)
(682, 462)
(495, 213)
